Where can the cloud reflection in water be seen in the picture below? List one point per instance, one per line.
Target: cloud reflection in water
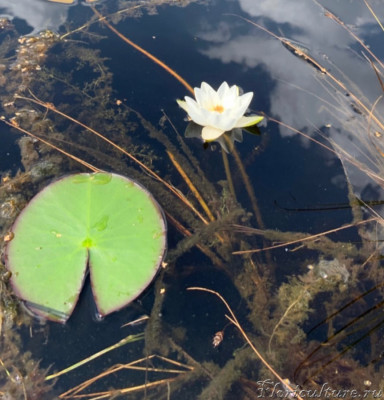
(38, 14)
(302, 96)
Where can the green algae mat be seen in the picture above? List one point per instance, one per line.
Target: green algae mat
(103, 222)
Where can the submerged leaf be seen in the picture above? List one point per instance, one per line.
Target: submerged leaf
(254, 130)
(106, 221)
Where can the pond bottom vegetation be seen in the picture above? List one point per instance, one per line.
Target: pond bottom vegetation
(237, 310)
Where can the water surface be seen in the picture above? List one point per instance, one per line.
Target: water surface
(289, 299)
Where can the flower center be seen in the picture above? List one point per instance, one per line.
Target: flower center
(218, 108)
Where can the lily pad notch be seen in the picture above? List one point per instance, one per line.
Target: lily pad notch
(103, 222)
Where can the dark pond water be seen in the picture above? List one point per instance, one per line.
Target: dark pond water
(312, 308)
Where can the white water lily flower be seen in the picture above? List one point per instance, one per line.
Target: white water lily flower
(219, 112)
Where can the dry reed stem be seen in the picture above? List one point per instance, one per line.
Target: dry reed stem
(304, 239)
(377, 72)
(341, 153)
(350, 346)
(176, 192)
(194, 190)
(176, 223)
(116, 392)
(191, 186)
(132, 365)
(240, 165)
(374, 15)
(136, 321)
(333, 17)
(232, 318)
(9, 375)
(228, 173)
(79, 160)
(187, 151)
(145, 52)
(122, 342)
(315, 63)
(182, 229)
(248, 188)
(99, 19)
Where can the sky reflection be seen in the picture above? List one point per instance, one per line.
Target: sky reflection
(303, 97)
(38, 14)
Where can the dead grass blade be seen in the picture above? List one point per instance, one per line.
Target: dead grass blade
(374, 15)
(145, 52)
(117, 392)
(333, 17)
(239, 163)
(191, 186)
(232, 318)
(300, 53)
(343, 333)
(134, 365)
(14, 125)
(122, 342)
(52, 108)
(304, 239)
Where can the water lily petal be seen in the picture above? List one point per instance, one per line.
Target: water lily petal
(212, 99)
(212, 118)
(236, 110)
(183, 105)
(205, 98)
(223, 142)
(195, 112)
(225, 122)
(223, 90)
(201, 98)
(218, 112)
(248, 121)
(206, 117)
(237, 135)
(210, 133)
(231, 97)
(227, 140)
(244, 101)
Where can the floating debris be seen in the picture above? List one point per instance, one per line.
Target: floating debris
(218, 338)
(32, 52)
(300, 51)
(331, 269)
(5, 23)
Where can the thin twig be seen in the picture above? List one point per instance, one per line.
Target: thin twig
(304, 239)
(232, 318)
(122, 342)
(145, 52)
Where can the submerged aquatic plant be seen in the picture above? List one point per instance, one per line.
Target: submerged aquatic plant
(276, 312)
(217, 112)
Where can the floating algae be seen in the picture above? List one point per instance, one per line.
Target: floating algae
(329, 269)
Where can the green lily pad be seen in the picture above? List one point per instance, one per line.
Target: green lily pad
(106, 222)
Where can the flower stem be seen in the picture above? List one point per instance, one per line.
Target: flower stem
(228, 174)
(248, 186)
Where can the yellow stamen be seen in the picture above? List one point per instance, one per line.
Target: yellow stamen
(219, 108)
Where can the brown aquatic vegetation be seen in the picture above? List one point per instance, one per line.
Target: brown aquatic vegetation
(20, 376)
(207, 217)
